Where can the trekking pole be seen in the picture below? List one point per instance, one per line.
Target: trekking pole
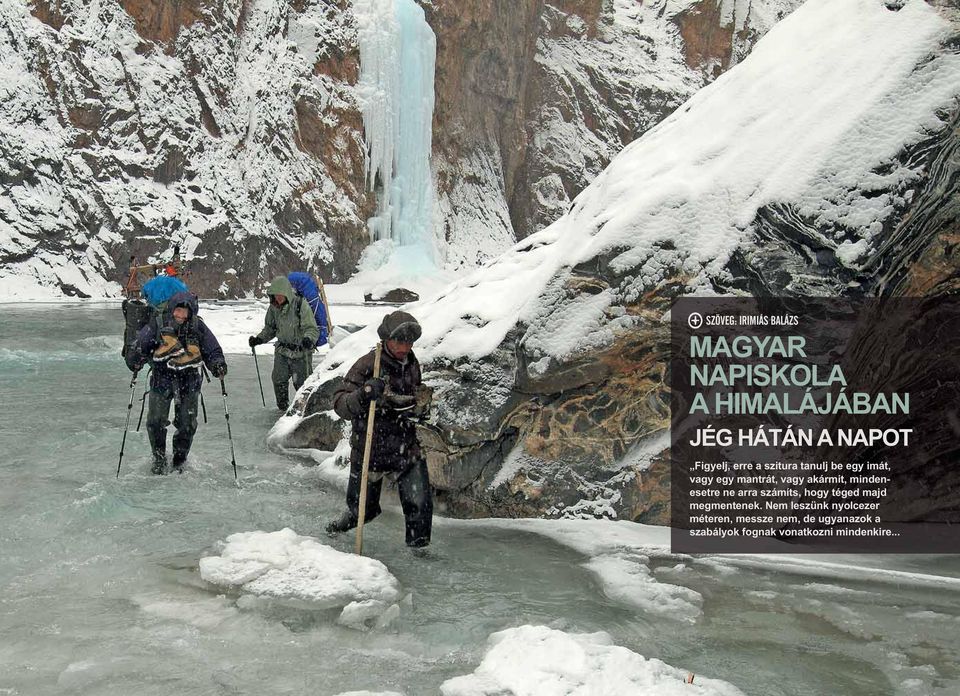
(143, 404)
(143, 401)
(366, 457)
(123, 443)
(203, 403)
(254, 351)
(226, 415)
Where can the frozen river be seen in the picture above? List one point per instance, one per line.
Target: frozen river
(101, 592)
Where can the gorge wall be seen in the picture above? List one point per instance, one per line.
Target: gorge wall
(549, 365)
(233, 127)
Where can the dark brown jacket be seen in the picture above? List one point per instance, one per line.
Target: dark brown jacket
(394, 433)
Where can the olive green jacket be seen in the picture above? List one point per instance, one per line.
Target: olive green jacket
(289, 323)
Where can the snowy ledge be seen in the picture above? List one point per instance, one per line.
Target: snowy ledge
(599, 540)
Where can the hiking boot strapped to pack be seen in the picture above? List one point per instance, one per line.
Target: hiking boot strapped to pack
(188, 358)
(170, 345)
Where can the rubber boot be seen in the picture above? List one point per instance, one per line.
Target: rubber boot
(282, 393)
(345, 523)
(178, 462)
(159, 463)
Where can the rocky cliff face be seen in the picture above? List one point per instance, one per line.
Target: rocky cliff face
(534, 98)
(232, 127)
(548, 365)
(228, 127)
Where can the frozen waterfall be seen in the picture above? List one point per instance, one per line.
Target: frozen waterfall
(397, 57)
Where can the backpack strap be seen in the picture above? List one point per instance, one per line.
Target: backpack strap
(155, 322)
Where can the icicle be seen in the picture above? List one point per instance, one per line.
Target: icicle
(412, 216)
(378, 34)
(397, 62)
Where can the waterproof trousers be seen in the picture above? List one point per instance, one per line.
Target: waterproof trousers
(184, 419)
(285, 369)
(416, 498)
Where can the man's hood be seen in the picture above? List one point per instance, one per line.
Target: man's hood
(184, 299)
(281, 286)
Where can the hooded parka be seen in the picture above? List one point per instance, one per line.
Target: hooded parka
(289, 323)
(181, 387)
(295, 328)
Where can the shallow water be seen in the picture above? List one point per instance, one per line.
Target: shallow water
(101, 593)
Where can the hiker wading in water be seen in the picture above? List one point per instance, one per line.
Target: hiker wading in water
(177, 343)
(395, 449)
(290, 319)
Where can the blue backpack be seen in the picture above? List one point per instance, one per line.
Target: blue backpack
(306, 286)
(160, 289)
(136, 313)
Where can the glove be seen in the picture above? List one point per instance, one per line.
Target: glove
(308, 343)
(373, 389)
(219, 370)
(255, 341)
(133, 358)
(398, 402)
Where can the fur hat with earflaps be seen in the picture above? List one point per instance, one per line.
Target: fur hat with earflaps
(399, 326)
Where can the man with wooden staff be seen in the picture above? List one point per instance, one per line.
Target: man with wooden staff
(394, 447)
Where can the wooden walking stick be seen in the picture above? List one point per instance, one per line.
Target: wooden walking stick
(326, 307)
(367, 446)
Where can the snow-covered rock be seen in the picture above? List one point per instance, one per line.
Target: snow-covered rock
(583, 113)
(296, 569)
(530, 110)
(541, 661)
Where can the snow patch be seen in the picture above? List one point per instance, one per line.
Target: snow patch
(370, 613)
(541, 661)
(286, 566)
(626, 578)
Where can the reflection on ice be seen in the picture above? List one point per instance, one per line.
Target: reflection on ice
(204, 613)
